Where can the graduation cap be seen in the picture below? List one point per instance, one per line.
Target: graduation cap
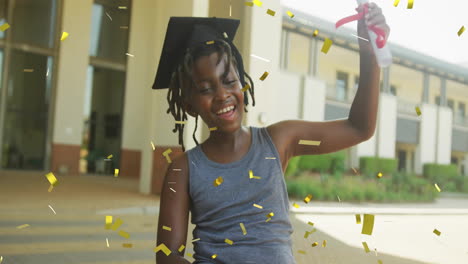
(188, 32)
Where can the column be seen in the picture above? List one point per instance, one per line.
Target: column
(443, 92)
(444, 135)
(387, 121)
(426, 149)
(425, 95)
(386, 79)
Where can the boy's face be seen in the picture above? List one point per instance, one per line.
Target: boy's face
(219, 101)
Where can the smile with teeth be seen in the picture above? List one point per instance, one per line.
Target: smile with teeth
(225, 110)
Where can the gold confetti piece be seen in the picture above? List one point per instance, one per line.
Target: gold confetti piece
(257, 2)
(366, 248)
(127, 245)
(52, 209)
(225, 35)
(410, 4)
(177, 169)
(152, 145)
(380, 261)
(437, 232)
(290, 14)
(270, 158)
(355, 171)
(379, 175)
(4, 27)
(339, 200)
(116, 224)
(210, 42)
(249, 3)
(28, 70)
(437, 187)
(107, 242)
(246, 87)
(368, 225)
(258, 206)
(395, 4)
(51, 178)
(116, 172)
(130, 55)
(358, 219)
(214, 256)
(315, 33)
(1, 259)
(301, 252)
(296, 205)
(310, 223)
(314, 244)
(271, 12)
(189, 254)
(124, 234)
(263, 77)
(244, 231)
(22, 226)
(308, 198)
(167, 228)
(181, 122)
(108, 221)
(164, 249)
(50, 188)
(218, 181)
(196, 239)
(110, 156)
(166, 154)
(122, 7)
(324, 243)
(64, 36)
(309, 142)
(181, 248)
(326, 45)
(251, 176)
(213, 128)
(268, 219)
(172, 190)
(462, 29)
(418, 110)
(270, 214)
(123, 27)
(306, 235)
(228, 241)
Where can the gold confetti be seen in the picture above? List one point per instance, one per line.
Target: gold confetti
(124, 234)
(1, 259)
(249, 3)
(257, 2)
(122, 7)
(309, 142)
(380, 261)
(314, 244)
(268, 219)
(4, 27)
(181, 122)
(218, 181)
(225, 35)
(358, 219)
(166, 154)
(462, 29)
(271, 12)
(108, 221)
(127, 245)
(152, 145)
(167, 228)
(52, 209)
(418, 110)
(50, 188)
(210, 42)
(22, 226)
(130, 55)
(64, 36)
(107, 242)
(306, 235)
(437, 232)
(270, 214)
(437, 187)
(172, 189)
(310, 223)
(308, 198)
(110, 156)
(189, 254)
(51, 178)
(181, 248)
(246, 87)
(410, 4)
(324, 243)
(396, 3)
(368, 225)
(355, 171)
(326, 45)
(123, 27)
(116, 224)
(258, 206)
(228, 241)
(315, 33)
(195, 240)
(244, 231)
(379, 175)
(116, 172)
(366, 248)
(301, 252)
(28, 70)
(263, 77)
(164, 249)
(213, 128)
(214, 256)
(290, 14)
(270, 158)
(296, 205)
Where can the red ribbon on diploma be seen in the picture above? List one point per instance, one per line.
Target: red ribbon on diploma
(380, 41)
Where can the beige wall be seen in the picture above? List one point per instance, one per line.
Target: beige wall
(409, 83)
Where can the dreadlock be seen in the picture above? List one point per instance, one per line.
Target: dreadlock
(182, 81)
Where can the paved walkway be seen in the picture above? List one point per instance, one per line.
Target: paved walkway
(76, 233)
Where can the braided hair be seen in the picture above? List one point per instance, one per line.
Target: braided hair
(182, 81)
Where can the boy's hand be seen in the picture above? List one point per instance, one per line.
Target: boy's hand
(373, 18)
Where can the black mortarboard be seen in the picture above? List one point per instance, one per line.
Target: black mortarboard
(187, 32)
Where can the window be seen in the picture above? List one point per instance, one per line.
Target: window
(461, 109)
(356, 83)
(393, 90)
(437, 100)
(341, 85)
(451, 105)
(298, 53)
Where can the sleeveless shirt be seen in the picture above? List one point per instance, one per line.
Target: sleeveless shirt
(217, 211)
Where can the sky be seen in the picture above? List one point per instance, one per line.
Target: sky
(430, 27)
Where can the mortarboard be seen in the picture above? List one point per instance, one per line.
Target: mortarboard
(187, 32)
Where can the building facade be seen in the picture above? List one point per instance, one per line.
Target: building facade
(67, 105)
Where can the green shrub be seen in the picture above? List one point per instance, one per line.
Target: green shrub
(440, 173)
(331, 162)
(292, 168)
(371, 166)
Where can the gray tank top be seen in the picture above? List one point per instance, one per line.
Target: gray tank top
(218, 211)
